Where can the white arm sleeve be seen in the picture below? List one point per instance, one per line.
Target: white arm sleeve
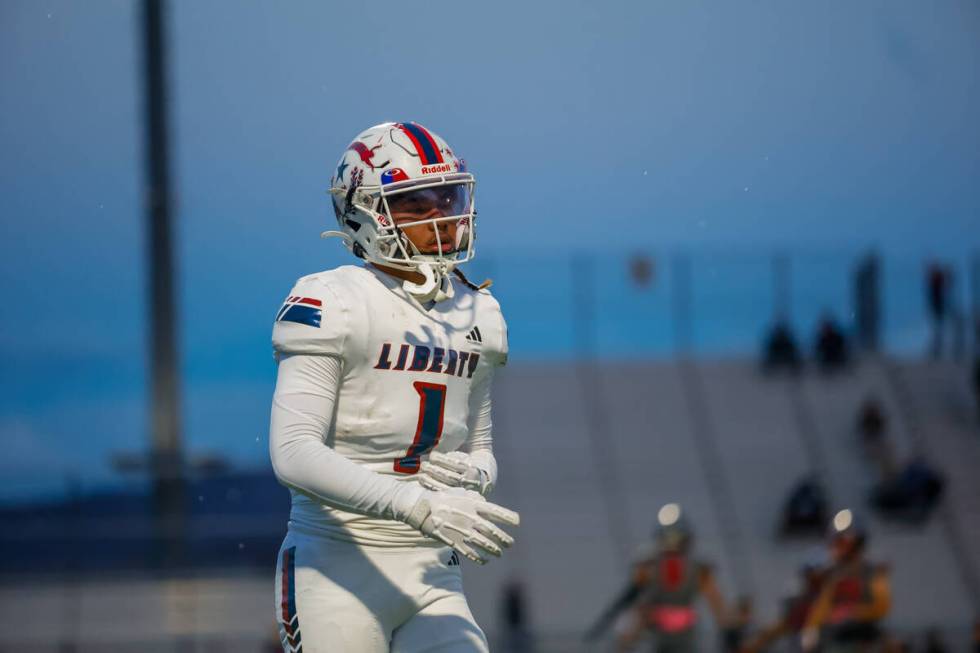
(479, 444)
(302, 411)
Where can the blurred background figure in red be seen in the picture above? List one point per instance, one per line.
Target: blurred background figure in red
(661, 600)
(855, 594)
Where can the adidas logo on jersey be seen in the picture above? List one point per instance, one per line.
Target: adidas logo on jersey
(453, 560)
(474, 335)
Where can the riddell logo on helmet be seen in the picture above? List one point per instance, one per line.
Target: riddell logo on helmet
(431, 170)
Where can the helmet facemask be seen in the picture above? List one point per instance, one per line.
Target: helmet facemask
(441, 212)
(440, 208)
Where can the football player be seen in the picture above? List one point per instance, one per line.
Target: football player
(380, 422)
(666, 584)
(855, 595)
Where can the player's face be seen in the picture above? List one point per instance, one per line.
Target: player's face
(842, 547)
(418, 214)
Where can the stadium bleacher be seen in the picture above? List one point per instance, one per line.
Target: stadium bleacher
(571, 552)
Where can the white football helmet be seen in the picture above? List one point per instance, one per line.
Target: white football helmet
(399, 175)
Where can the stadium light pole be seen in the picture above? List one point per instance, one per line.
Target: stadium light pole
(781, 288)
(681, 307)
(597, 423)
(975, 301)
(166, 455)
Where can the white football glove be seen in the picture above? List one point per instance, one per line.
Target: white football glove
(464, 520)
(453, 469)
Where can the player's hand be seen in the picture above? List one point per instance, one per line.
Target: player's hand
(464, 520)
(453, 469)
(809, 639)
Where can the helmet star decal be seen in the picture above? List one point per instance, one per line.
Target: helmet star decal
(341, 168)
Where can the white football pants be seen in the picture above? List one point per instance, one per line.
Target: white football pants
(348, 598)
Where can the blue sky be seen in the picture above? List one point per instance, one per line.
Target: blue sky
(595, 127)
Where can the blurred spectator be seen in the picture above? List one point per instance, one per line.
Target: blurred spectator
(871, 420)
(805, 512)
(517, 633)
(937, 288)
(780, 350)
(831, 348)
(872, 425)
(934, 642)
(642, 270)
(912, 493)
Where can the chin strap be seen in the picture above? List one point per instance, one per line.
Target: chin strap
(435, 288)
(427, 286)
(445, 291)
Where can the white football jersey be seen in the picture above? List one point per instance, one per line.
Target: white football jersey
(407, 377)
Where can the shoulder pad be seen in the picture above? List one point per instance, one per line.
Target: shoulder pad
(313, 319)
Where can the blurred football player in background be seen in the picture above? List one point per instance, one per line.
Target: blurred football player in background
(664, 589)
(794, 610)
(381, 422)
(855, 594)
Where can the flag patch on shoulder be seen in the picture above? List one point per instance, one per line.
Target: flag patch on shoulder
(302, 310)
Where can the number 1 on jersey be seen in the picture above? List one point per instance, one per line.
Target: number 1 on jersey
(432, 405)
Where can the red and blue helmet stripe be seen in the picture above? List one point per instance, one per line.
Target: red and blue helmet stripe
(425, 145)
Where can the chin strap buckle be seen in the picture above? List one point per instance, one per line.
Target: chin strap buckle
(436, 286)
